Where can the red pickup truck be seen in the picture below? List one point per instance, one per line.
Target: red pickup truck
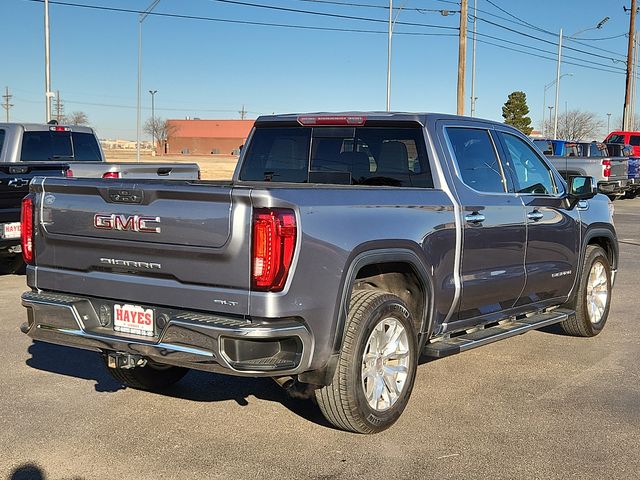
(631, 138)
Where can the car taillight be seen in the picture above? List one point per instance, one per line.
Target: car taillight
(111, 175)
(68, 173)
(26, 229)
(606, 168)
(274, 242)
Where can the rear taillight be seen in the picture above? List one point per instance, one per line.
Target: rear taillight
(68, 173)
(274, 242)
(111, 175)
(26, 229)
(606, 168)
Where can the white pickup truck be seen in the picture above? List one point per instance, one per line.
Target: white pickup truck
(79, 148)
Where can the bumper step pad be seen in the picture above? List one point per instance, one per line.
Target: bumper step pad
(478, 338)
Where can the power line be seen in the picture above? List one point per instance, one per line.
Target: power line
(368, 5)
(544, 40)
(244, 22)
(331, 15)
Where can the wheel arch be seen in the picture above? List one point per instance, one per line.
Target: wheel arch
(376, 266)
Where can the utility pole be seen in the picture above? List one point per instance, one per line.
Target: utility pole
(473, 60)
(627, 91)
(59, 107)
(243, 113)
(608, 123)
(47, 63)
(6, 105)
(462, 54)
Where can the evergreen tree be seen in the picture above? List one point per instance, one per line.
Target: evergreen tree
(515, 112)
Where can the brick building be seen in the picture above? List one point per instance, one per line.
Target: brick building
(206, 137)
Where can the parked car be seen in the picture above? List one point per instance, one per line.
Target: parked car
(590, 159)
(345, 246)
(622, 150)
(79, 147)
(631, 138)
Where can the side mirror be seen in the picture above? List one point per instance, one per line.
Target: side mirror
(582, 188)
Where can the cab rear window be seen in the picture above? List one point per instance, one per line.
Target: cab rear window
(41, 146)
(338, 155)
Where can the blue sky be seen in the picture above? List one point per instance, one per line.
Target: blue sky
(209, 69)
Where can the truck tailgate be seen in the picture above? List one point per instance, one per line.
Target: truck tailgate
(145, 241)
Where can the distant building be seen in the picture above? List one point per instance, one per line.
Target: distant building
(206, 137)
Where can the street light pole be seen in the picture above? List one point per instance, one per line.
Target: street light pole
(598, 26)
(544, 96)
(555, 121)
(608, 123)
(47, 64)
(141, 18)
(550, 110)
(153, 117)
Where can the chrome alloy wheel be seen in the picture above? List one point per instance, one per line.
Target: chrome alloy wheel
(597, 292)
(385, 364)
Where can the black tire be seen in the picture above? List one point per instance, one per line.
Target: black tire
(344, 402)
(152, 376)
(11, 264)
(581, 325)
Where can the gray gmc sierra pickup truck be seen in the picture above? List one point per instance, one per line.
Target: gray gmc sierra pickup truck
(345, 247)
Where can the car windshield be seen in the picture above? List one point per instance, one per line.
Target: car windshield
(40, 146)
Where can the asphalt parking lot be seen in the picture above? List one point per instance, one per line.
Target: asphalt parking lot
(541, 405)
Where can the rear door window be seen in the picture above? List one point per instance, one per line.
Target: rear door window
(477, 160)
(2, 134)
(545, 146)
(597, 150)
(634, 140)
(572, 150)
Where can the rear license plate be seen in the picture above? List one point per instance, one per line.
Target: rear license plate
(133, 319)
(11, 230)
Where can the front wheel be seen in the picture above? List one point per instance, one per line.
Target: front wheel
(593, 298)
(377, 365)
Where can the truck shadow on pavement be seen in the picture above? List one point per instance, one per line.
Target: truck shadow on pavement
(195, 386)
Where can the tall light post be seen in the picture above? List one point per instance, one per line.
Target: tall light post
(153, 117)
(141, 18)
(608, 123)
(544, 96)
(47, 66)
(598, 26)
(550, 110)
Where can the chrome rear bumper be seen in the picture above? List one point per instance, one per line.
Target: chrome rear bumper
(188, 339)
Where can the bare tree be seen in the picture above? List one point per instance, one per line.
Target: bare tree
(160, 129)
(76, 118)
(578, 125)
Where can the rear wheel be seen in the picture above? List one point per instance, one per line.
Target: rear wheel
(153, 376)
(377, 365)
(593, 298)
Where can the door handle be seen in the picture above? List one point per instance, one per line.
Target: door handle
(535, 215)
(474, 217)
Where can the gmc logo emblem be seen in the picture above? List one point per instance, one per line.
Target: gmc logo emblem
(134, 223)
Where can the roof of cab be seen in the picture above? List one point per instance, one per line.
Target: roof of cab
(419, 117)
(39, 127)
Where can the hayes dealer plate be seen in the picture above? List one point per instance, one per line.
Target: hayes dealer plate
(133, 319)
(11, 230)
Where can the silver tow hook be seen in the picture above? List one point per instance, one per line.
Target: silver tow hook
(125, 360)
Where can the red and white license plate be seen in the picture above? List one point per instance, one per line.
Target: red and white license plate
(133, 319)
(11, 230)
